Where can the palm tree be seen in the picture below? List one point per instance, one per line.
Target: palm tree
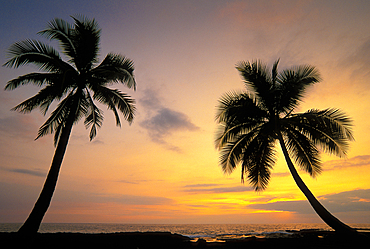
(75, 84)
(252, 121)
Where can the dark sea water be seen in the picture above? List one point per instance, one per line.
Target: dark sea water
(209, 232)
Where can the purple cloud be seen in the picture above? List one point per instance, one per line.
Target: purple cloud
(162, 122)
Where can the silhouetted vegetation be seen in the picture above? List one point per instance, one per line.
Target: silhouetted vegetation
(252, 121)
(151, 240)
(76, 84)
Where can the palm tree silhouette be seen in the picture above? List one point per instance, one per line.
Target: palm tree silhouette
(251, 122)
(75, 84)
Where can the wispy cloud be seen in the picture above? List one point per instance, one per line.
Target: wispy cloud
(267, 14)
(355, 200)
(302, 207)
(162, 122)
(128, 182)
(33, 172)
(282, 174)
(357, 161)
(135, 181)
(137, 200)
(358, 61)
(165, 122)
(209, 188)
(19, 126)
(201, 185)
(349, 201)
(113, 198)
(150, 100)
(13, 195)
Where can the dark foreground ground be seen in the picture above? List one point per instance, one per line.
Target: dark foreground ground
(136, 240)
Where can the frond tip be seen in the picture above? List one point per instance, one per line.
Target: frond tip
(33, 52)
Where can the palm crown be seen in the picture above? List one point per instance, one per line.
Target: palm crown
(75, 83)
(251, 123)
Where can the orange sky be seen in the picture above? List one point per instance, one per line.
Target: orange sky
(164, 167)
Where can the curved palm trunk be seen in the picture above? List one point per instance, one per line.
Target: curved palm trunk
(324, 214)
(33, 222)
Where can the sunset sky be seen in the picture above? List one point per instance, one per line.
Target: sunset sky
(163, 168)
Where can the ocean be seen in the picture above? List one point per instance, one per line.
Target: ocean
(209, 232)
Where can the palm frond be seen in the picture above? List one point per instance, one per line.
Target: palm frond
(38, 79)
(258, 159)
(303, 151)
(292, 86)
(227, 134)
(57, 118)
(239, 107)
(86, 39)
(54, 90)
(274, 72)
(330, 129)
(114, 98)
(34, 52)
(60, 30)
(257, 78)
(42, 99)
(339, 122)
(231, 152)
(94, 117)
(125, 104)
(115, 68)
(237, 113)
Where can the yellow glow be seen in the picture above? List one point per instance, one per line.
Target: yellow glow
(267, 211)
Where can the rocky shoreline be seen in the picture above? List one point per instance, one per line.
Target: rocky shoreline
(146, 240)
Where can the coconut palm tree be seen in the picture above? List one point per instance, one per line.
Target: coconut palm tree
(252, 122)
(77, 83)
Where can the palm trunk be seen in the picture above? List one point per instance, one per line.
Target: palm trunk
(324, 214)
(33, 222)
